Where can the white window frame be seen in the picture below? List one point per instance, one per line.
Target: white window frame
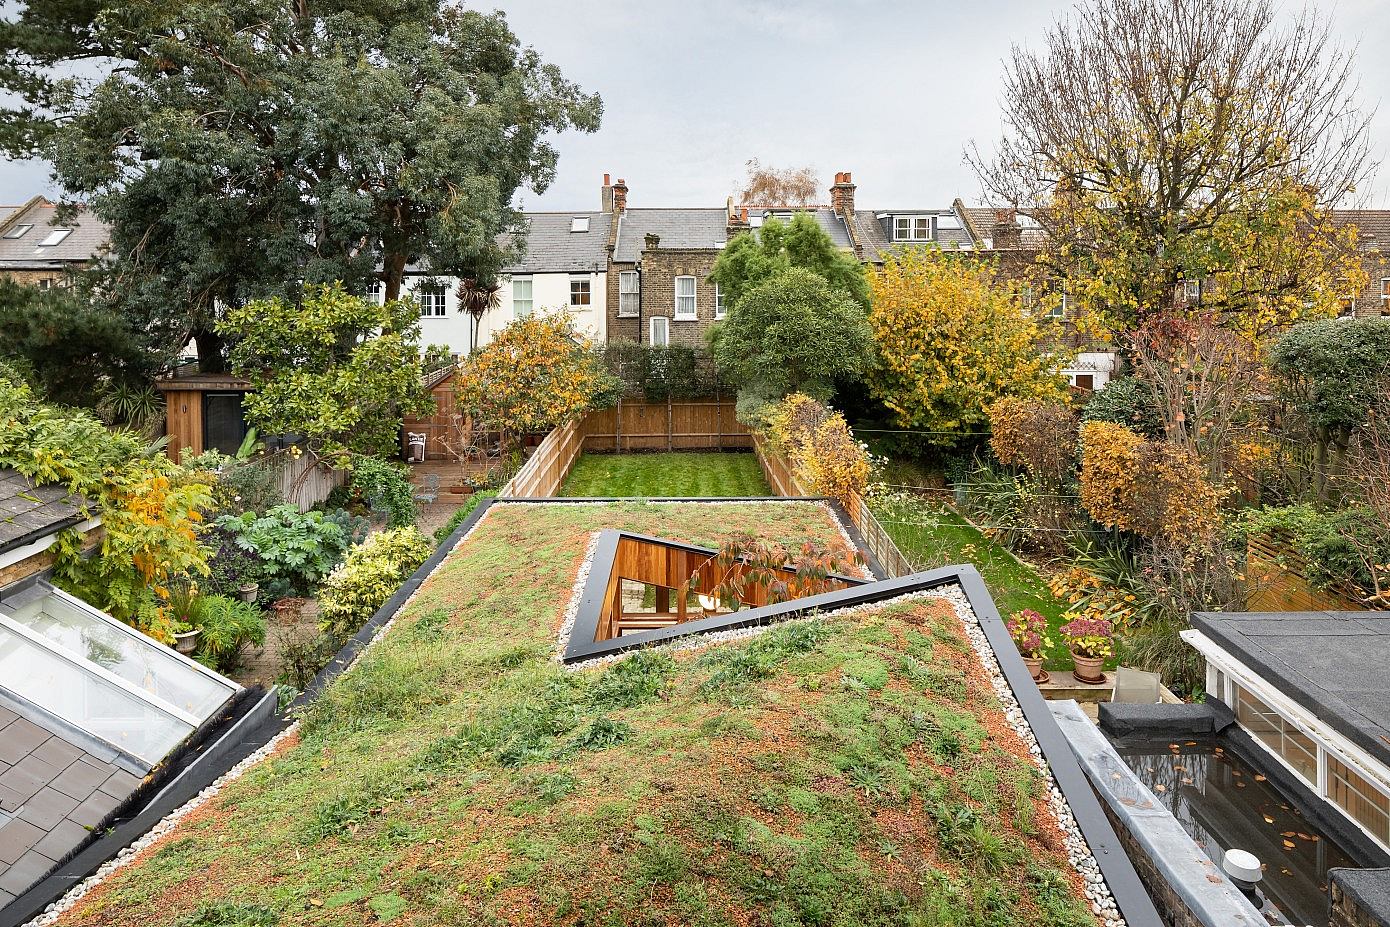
(579, 224)
(665, 326)
(1192, 291)
(719, 311)
(914, 233)
(19, 231)
(629, 294)
(1225, 671)
(588, 290)
(530, 301)
(1059, 311)
(1384, 293)
(681, 300)
(55, 238)
(437, 304)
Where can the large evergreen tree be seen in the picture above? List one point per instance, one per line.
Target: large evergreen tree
(243, 148)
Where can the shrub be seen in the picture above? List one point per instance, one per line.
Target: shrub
(372, 571)
(303, 652)
(1128, 402)
(1029, 632)
(296, 549)
(231, 566)
(441, 534)
(822, 450)
(1151, 488)
(1089, 636)
(1035, 434)
(355, 527)
(228, 625)
(385, 487)
(1334, 543)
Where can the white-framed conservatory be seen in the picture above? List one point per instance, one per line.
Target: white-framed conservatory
(1339, 772)
(103, 677)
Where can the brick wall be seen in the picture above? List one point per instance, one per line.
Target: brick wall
(36, 277)
(660, 268)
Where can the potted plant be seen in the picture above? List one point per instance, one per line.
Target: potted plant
(1029, 631)
(185, 637)
(1090, 640)
(247, 592)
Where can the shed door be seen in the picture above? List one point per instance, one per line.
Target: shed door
(224, 427)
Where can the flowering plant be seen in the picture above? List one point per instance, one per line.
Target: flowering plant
(1089, 637)
(1029, 631)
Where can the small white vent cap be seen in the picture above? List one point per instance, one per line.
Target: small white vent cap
(1242, 865)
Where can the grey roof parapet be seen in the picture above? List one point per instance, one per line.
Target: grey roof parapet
(1197, 881)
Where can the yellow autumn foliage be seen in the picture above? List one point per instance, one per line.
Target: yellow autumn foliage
(818, 443)
(1152, 488)
(951, 342)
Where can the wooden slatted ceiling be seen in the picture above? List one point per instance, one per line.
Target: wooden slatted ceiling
(665, 565)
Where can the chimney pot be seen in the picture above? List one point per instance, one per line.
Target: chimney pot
(842, 195)
(605, 179)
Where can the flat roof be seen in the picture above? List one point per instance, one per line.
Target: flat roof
(1331, 663)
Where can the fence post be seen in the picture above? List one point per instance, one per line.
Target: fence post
(618, 429)
(670, 424)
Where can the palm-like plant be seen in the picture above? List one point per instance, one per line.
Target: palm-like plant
(476, 297)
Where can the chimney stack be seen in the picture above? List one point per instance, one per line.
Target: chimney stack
(736, 220)
(842, 195)
(652, 241)
(620, 195)
(606, 195)
(1006, 233)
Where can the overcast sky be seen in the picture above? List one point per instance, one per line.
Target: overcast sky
(891, 90)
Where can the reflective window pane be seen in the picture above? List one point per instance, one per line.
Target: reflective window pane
(86, 700)
(140, 662)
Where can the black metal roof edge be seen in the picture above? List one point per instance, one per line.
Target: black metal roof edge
(349, 651)
(251, 732)
(1133, 899)
(39, 533)
(1325, 705)
(243, 739)
(1115, 865)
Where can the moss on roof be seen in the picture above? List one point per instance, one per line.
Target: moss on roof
(853, 769)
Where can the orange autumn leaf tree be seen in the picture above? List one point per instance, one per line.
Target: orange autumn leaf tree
(951, 342)
(536, 374)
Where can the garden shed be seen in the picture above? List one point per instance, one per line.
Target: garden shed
(203, 411)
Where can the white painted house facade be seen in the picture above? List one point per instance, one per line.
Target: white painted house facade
(565, 268)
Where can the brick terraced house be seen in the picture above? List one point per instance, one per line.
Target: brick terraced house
(37, 249)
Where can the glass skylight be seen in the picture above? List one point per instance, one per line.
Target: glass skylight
(55, 237)
(18, 231)
(579, 224)
(104, 677)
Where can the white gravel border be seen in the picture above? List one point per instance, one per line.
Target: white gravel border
(169, 822)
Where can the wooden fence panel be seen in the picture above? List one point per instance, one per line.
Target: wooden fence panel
(303, 480)
(1277, 582)
(545, 472)
(782, 479)
(675, 426)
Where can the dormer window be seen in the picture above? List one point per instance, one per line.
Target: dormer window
(912, 228)
(55, 237)
(18, 231)
(579, 224)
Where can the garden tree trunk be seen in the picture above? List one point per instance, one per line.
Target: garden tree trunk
(393, 272)
(212, 355)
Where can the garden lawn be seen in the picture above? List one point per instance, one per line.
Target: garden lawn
(853, 769)
(931, 535)
(682, 474)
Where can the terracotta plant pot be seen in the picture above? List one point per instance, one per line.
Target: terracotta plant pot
(1035, 670)
(1087, 669)
(187, 642)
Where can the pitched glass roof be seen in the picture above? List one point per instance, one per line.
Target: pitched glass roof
(103, 677)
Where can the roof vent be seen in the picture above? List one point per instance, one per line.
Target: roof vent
(579, 224)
